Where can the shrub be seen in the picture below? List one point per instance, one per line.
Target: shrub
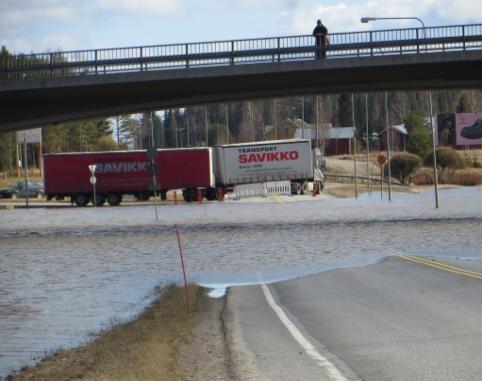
(446, 158)
(402, 165)
(420, 135)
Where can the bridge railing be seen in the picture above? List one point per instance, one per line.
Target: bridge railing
(239, 52)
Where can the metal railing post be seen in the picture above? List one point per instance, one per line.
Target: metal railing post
(187, 56)
(51, 64)
(232, 52)
(279, 50)
(371, 43)
(463, 36)
(141, 58)
(418, 42)
(96, 64)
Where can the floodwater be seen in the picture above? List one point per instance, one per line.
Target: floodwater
(65, 273)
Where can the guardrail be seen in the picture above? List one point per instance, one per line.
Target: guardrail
(346, 178)
(240, 52)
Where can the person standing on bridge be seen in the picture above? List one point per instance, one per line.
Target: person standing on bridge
(320, 33)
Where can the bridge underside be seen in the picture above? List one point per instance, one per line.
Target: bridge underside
(40, 102)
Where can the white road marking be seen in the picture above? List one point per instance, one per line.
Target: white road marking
(310, 350)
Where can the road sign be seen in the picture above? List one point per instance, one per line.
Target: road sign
(93, 180)
(92, 168)
(382, 159)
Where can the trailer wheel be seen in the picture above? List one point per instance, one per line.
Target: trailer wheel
(189, 194)
(295, 187)
(81, 199)
(99, 199)
(114, 199)
(210, 194)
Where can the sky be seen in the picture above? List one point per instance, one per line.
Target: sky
(61, 25)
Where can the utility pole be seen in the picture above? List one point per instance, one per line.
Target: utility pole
(187, 128)
(368, 144)
(176, 132)
(163, 136)
(226, 116)
(317, 113)
(25, 158)
(152, 155)
(354, 143)
(435, 170)
(118, 128)
(206, 125)
(302, 117)
(388, 150)
(251, 112)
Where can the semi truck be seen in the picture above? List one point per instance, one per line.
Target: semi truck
(209, 172)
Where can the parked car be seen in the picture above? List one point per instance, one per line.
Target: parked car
(35, 189)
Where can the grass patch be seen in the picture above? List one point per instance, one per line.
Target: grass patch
(144, 349)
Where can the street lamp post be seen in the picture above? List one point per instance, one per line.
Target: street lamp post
(366, 20)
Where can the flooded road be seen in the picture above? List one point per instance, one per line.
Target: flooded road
(66, 273)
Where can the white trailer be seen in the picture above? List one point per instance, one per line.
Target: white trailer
(277, 160)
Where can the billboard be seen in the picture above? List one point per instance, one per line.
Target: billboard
(31, 136)
(469, 129)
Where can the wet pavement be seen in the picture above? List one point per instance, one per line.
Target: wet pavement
(65, 273)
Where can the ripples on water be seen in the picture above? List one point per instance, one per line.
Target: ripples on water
(65, 273)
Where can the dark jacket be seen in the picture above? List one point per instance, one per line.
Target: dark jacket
(320, 29)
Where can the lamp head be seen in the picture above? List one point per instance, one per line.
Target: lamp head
(366, 20)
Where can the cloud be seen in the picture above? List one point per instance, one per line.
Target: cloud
(460, 11)
(143, 6)
(345, 16)
(31, 11)
(59, 42)
(273, 5)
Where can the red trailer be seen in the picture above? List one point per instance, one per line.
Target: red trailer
(128, 173)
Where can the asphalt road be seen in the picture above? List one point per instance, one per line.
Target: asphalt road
(401, 319)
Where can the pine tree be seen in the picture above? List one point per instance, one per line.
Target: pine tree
(344, 110)
(463, 103)
(419, 138)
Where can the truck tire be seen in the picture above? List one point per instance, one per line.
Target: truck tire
(210, 194)
(114, 199)
(295, 188)
(189, 194)
(99, 199)
(81, 199)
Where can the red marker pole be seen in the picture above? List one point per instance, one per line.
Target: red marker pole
(175, 197)
(183, 268)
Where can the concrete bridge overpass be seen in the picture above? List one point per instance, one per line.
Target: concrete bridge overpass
(49, 88)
